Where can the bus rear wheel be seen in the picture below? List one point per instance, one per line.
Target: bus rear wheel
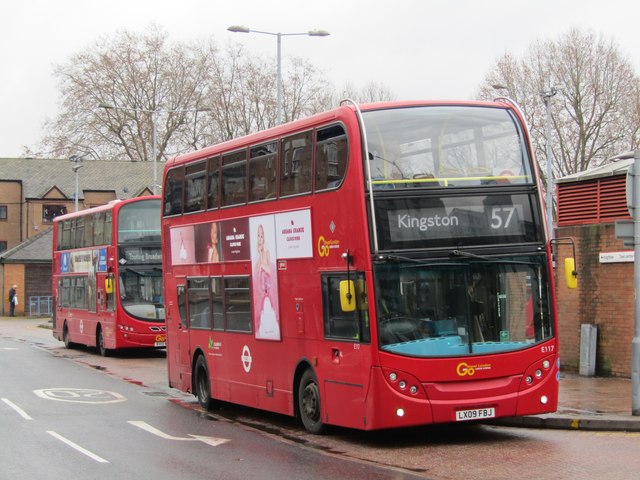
(309, 403)
(201, 383)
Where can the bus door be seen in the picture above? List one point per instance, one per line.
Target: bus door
(178, 341)
(101, 293)
(347, 343)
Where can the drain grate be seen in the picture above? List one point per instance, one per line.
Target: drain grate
(155, 394)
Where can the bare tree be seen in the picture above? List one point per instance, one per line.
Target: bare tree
(142, 79)
(371, 92)
(595, 108)
(194, 94)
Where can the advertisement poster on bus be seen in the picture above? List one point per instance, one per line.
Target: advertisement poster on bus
(265, 278)
(207, 238)
(293, 230)
(182, 247)
(235, 240)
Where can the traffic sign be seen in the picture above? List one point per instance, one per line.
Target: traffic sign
(624, 232)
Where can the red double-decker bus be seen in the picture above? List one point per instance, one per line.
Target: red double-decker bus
(107, 276)
(373, 266)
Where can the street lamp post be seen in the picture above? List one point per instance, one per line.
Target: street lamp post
(76, 159)
(546, 96)
(154, 139)
(310, 33)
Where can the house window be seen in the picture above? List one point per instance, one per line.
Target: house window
(49, 212)
(3, 245)
(3, 212)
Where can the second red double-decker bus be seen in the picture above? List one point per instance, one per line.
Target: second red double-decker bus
(369, 267)
(107, 276)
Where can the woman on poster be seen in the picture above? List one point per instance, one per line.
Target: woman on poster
(265, 291)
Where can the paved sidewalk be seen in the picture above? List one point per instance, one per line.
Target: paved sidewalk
(587, 403)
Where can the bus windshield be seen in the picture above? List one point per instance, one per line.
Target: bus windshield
(444, 146)
(470, 306)
(141, 292)
(139, 222)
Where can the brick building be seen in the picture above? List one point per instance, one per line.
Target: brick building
(33, 192)
(589, 203)
(28, 266)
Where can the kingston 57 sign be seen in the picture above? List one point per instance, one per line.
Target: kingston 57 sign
(411, 223)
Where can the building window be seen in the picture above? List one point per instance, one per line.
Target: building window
(49, 212)
(3, 245)
(3, 212)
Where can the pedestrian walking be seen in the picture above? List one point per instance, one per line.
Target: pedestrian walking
(13, 300)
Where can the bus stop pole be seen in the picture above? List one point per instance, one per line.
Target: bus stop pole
(635, 344)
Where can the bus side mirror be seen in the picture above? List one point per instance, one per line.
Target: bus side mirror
(108, 285)
(570, 274)
(347, 296)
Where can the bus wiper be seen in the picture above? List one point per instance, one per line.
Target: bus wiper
(396, 258)
(418, 261)
(462, 253)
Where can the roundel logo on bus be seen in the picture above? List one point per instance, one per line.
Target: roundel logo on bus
(246, 358)
(325, 246)
(465, 370)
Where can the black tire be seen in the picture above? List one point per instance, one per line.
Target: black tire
(100, 343)
(65, 336)
(201, 384)
(309, 405)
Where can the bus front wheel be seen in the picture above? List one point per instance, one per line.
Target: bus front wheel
(201, 383)
(100, 343)
(309, 403)
(65, 336)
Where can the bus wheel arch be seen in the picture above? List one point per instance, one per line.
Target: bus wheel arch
(201, 381)
(308, 399)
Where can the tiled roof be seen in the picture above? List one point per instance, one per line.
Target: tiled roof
(39, 176)
(37, 249)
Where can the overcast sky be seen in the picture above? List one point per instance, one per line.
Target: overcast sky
(417, 48)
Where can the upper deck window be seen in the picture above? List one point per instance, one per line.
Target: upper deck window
(443, 146)
(195, 187)
(234, 178)
(263, 172)
(213, 183)
(297, 160)
(331, 157)
(139, 222)
(173, 189)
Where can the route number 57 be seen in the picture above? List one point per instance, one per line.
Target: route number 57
(501, 217)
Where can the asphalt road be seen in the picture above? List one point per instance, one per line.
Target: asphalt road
(151, 434)
(60, 420)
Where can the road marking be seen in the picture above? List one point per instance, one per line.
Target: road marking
(8, 348)
(22, 413)
(77, 447)
(214, 442)
(79, 395)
